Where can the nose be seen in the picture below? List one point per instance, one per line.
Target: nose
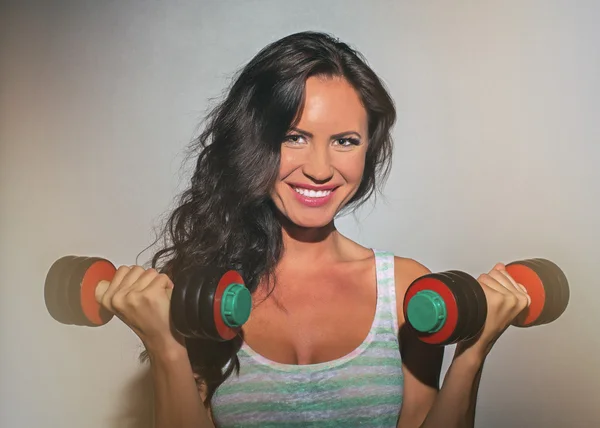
(318, 165)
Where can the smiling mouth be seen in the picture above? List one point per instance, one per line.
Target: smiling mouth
(315, 197)
(309, 193)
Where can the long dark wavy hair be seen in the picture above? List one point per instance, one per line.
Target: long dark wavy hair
(226, 217)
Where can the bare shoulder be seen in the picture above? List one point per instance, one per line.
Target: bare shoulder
(406, 270)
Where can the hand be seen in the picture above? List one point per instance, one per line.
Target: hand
(506, 299)
(140, 299)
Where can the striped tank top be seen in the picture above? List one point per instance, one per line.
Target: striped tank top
(363, 388)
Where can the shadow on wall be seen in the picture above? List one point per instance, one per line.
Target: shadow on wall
(137, 410)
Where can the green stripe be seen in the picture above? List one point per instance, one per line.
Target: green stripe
(386, 316)
(358, 361)
(336, 403)
(382, 421)
(291, 387)
(384, 344)
(383, 330)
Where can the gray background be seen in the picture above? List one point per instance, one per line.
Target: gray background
(496, 159)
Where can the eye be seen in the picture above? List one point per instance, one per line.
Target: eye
(294, 139)
(347, 142)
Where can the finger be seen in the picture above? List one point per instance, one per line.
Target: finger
(503, 277)
(514, 298)
(159, 286)
(150, 283)
(500, 267)
(112, 288)
(505, 280)
(492, 283)
(145, 280)
(119, 299)
(131, 279)
(515, 283)
(161, 281)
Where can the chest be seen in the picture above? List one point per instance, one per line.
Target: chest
(313, 317)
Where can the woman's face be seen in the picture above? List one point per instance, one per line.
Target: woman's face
(323, 156)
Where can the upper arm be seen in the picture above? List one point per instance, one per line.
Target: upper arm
(421, 363)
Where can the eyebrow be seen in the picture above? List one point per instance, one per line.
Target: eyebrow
(334, 136)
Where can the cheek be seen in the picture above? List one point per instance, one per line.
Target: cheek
(290, 161)
(287, 164)
(353, 168)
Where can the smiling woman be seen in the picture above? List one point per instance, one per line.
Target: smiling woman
(323, 156)
(303, 134)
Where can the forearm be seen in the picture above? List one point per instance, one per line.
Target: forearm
(474, 392)
(176, 400)
(454, 405)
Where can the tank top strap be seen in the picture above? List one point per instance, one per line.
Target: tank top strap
(386, 289)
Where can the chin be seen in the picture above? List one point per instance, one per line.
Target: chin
(314, 220)
(303, 216)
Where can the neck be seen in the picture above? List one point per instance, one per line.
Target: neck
(307, 245)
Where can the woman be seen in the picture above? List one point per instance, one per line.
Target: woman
(303, 134)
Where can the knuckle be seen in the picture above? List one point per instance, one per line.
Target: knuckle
(149, 273)
(132, 299)
(137, 269)
(147, 299)
(145, 295)
(523, 301)
(130, 302)
(163, 277)
(496, 300)
(118, 302)
(511, 300)
(123, 269)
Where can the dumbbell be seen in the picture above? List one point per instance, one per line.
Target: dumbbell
(449, 307)
(208, 303)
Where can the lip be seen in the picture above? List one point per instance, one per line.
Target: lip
(313, 202)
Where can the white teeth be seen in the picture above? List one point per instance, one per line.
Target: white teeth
(312, 193)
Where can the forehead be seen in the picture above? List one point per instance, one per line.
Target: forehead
(332, 105)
